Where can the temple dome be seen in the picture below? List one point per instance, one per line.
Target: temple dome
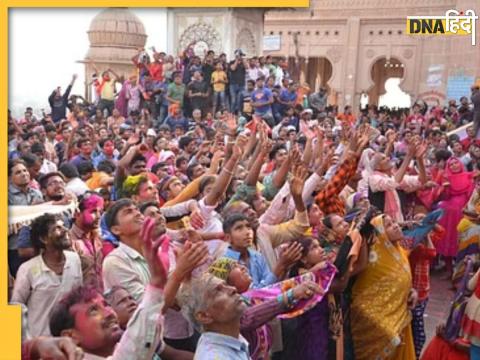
(117, 27)
(115, 35)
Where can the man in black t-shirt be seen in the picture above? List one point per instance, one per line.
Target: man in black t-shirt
(198, 92)
(58, 101)
(236, 79)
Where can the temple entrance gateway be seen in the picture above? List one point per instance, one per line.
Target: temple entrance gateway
(382, 70)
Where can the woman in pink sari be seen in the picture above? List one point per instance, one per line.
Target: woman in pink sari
(458, 187)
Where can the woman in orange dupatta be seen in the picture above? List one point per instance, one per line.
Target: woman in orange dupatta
(380, 317)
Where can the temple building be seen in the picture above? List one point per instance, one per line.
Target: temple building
(219, 29)
(353, 46)
(349, 46)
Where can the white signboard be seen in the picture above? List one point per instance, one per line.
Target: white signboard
(272, 43)
(435, 75)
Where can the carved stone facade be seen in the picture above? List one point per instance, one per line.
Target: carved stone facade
(352, 36)
(115, 35)
(217, 29)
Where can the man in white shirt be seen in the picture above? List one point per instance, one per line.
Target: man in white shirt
(43, 280)
(85, 316)
(47, 165)
(74, 184)
(126, 266)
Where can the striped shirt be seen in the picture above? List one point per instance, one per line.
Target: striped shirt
(328, 199)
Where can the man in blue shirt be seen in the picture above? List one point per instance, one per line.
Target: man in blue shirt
(288, 97)
(108, 152)
(262, 99)
(177, 119)
(86, 149)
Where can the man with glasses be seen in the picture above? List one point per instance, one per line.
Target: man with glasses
(52, 186)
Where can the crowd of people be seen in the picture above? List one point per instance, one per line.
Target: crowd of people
(215, 209)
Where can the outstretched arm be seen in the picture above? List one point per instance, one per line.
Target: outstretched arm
(223, 180)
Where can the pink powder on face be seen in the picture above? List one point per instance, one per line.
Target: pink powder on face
(91, 204)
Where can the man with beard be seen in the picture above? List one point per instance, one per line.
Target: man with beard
(86, 240)
(43, 280)
(53, 190)
(85, 316)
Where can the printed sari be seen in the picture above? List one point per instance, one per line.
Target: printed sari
(468, 238)
(309, 317)
(380, 319)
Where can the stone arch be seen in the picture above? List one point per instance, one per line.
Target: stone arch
(382, 68)
(246, 41)
(201, 34)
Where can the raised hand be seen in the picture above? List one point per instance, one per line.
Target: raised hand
(191, 256)
(320, 134)
(297, 181)
(411, 149)
(197, 221)
(354, 139)
(239, 146)
(55, 348)
(295, 156)
(306, 290)
(157, 261)
(231, 123)
(218, 155)
(290, 254)
(266, 147)
(362, 142)
(134, 139)
(204, 147)
(391, 136)
(421, 150)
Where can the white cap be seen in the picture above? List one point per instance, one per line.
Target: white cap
(151, 132)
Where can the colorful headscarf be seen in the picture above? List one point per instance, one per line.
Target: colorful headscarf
(222, 267)
(461, 182)
(131, 184)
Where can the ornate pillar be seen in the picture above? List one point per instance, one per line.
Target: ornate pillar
(351, 60)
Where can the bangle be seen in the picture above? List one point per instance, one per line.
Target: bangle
(229, 172)
(280, 298)
(290, 297)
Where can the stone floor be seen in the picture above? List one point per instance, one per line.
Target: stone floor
(438, 305)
